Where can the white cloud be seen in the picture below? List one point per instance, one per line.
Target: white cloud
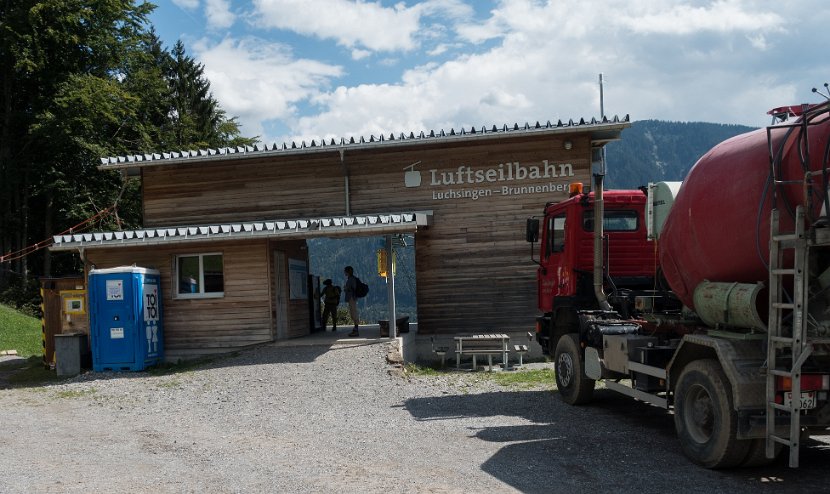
(260, 81)
(187, 4)
(358, 54)
(438, 50)
(351, 24)
(524, 60)
(694, 66)
(356, 23)
(218, 13)
(718, 16)
(759, 41)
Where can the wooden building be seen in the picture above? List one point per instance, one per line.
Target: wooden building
(227, 227)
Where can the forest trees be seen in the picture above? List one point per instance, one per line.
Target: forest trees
(83, 79)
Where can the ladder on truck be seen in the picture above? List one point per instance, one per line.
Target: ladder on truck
(787, 350)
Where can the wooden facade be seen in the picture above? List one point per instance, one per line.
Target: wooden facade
(472, 264)
(244, 316)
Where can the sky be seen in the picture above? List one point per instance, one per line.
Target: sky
(297, 70)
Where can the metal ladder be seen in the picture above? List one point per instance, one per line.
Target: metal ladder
(782, 342)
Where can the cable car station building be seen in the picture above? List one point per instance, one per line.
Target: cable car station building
(227, 228)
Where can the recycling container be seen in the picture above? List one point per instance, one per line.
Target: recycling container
(68, 353)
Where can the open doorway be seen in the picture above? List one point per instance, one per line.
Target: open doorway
(328, 257)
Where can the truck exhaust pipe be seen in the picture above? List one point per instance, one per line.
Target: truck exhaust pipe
(599, 231)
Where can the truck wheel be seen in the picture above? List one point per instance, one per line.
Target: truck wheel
(704, 416)
(574, 386)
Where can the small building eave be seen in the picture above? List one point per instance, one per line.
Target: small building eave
(332, 226)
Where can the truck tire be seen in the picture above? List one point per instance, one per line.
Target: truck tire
(757, 455)
(704, 417)
(574, 386)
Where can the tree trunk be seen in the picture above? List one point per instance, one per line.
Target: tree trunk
(48, 221)
(24, 210)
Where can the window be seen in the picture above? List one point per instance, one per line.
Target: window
(200, 276)
(556, 234)
(614, 221)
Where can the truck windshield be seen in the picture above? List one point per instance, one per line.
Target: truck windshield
(615, 221)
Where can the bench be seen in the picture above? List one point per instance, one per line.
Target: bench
(482, 344)
(523, 349)
(439, 350)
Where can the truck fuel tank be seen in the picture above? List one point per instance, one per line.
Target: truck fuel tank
(619, 349)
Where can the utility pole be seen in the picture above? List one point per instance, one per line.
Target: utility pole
(602, 119)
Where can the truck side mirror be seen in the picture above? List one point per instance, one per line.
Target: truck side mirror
(532, 233)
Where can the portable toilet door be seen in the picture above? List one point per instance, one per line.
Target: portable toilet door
(125, 318)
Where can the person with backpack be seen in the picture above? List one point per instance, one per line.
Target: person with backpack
(354, 289)
(331, 299)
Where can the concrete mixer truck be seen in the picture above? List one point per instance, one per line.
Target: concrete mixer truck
(710, 297)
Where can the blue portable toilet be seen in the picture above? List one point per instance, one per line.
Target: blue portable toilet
(125, 318)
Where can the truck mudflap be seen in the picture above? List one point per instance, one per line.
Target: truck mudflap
(742, 362)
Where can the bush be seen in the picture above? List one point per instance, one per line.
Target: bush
(23, 295)
(343, 317)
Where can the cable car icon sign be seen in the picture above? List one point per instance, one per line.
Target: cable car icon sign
(412, 178)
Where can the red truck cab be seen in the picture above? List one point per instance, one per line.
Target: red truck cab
(566, 254)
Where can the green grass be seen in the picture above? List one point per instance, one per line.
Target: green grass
(175, 383)
(20, 332)
(521, 379)
(419, 370)
(76, 393)
(525, 379)
(33, 373)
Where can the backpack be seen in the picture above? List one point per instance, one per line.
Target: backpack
(360, 288)
(331, 295)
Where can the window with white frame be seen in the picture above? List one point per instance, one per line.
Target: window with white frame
(200, 276)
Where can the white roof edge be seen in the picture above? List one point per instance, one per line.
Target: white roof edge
(328, 226)
(266, 151)
(125, 269)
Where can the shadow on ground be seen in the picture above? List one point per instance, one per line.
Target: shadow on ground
(614, 443)
(31, 373)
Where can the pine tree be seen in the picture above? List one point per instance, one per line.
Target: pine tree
(197, 119)
(82, 79)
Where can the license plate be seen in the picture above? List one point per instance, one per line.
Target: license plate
(808, 399)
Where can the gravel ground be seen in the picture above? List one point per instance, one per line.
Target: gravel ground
(334, 419)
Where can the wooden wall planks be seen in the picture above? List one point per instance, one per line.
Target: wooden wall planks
(473, 265)
(242, 317)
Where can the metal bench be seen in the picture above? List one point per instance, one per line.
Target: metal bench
(439, 350)
(521, 350)
(482, 344)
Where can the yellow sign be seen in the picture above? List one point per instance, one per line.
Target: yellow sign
(382, 263)
(74, 301)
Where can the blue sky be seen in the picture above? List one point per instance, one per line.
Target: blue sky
(294, 70)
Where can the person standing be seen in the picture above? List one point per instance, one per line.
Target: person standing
(331, 299)
(351, 297)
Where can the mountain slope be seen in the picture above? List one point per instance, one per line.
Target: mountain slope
(654, 150)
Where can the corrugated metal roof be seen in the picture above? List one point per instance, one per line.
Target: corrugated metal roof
(262, 150)
(371, 224)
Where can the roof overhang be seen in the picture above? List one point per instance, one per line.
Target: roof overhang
(600, 131)
(332, 226)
